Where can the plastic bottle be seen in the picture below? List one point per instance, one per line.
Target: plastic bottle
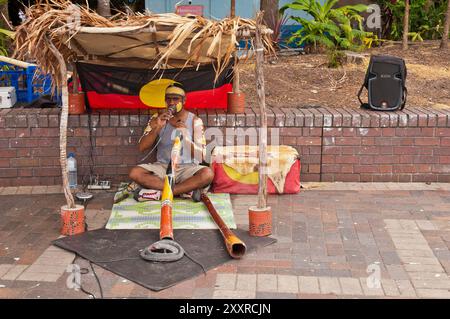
(72, 169)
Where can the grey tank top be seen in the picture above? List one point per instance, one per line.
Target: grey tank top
(167, 135)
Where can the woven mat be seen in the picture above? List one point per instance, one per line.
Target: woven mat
(186, 214)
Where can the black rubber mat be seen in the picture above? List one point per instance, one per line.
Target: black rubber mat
(118, 251)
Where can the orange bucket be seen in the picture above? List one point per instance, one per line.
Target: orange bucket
(236, 103)
(76, 103)
(72, 220)
(260, 221)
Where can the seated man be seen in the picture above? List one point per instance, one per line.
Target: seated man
(190, 176)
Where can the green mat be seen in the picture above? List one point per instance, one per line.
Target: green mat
(186, 214)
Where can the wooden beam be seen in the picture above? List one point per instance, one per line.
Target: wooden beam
(260, 89)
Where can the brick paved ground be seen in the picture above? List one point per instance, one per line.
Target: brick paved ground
(334, 241)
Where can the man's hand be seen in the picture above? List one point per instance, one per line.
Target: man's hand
(161, 120)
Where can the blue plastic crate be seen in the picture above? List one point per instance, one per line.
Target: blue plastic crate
(28, 83)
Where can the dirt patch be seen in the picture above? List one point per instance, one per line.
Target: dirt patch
(303, 80)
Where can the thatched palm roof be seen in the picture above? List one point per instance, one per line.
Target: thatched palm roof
(152, 40)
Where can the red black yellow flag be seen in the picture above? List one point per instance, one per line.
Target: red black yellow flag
(110, 87)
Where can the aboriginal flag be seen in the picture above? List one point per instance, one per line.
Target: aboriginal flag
(112, 87)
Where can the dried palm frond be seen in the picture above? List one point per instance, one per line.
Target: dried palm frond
(194, 35)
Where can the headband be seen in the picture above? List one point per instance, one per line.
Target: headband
(175, 90)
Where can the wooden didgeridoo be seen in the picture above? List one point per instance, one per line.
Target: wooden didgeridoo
(235, 247)
(165, 227)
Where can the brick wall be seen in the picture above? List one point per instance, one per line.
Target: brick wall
(335, 144)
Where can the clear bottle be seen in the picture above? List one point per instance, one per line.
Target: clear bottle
(72, 170)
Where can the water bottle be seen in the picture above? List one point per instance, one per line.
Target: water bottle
(72, 169)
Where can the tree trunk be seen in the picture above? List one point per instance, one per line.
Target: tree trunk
(444, 41)
(104, 8)
(233, 9)
(405, 26)
(63, 123)
(259, 48)
(5, 14)
(271, 13)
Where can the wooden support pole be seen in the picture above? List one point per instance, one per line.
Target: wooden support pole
(75, 79)
(262, 185)
(62, 84)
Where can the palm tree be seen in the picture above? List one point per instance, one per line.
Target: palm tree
(405, 26)
(104, 8)
(444, 41)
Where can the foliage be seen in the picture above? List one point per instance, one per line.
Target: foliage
(426, 18)
(277, 23)
(335, 58)
(5, 35)
(332, 28)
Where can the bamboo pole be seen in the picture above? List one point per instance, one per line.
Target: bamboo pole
(62, 84)
(262, 184)
(15, 62)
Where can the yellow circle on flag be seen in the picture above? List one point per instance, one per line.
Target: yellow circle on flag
(153, 93)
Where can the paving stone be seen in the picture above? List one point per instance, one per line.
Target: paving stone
(54, 189)
(428, 275)
(47, 269)
(23, 190)
(203, 293)
(39, 190)
(14, 272)
(329, 285)
(436, 283)
(414, 253)
(390, 288)
(287, 284)
(9, 191)
(275, 295)
(350, 286)
(4, 268)
(421, 260)
(425, 225)
(370, 290)
(234, 294)
(397, 272)
(423, 268)
(433, 293)
(308, 285)
(225, 282)
(266, 283)
(405, 288)
(38, 276)
(246, 282)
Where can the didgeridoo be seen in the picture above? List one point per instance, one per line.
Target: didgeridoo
(166, 227)
(235, 247)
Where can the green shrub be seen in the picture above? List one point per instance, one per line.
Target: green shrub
(332, 28)
(425, 23)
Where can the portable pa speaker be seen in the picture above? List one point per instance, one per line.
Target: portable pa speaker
(385, 82)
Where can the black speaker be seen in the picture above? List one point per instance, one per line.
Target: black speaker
(386, 83)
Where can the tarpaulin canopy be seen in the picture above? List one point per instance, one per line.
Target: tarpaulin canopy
(153, 41)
